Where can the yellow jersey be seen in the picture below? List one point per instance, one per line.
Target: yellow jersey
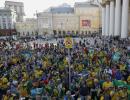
(107, 85)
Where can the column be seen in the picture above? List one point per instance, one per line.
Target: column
(103, 20)
(6, 21)
(18, 9)
(117, 18)
(111, 27)
(124, 26)
(12, 22)
(22, 12)
(107, 19)
(1, 22)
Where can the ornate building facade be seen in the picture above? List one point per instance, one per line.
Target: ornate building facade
(83, 18)
(18, 7)
(115, 18)
(7, 22)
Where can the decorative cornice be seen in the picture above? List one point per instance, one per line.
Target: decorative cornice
(107, 2)
(103, 3)
(111, 0)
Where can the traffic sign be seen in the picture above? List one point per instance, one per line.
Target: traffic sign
(68, 42)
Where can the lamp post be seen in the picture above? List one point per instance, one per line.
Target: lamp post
(61, 28)
(37, 32)
(67, 24)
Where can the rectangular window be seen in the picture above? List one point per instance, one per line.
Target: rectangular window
(9, 20)
(4, 25)
(9, 24)
(15, 7)
(3, 19)
(21, 10)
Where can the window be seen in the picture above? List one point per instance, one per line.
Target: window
(9, 24)
(15, 7)
(4, 25)
(21, 10)
(3, 19)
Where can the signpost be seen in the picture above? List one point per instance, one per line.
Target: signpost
(69, 44)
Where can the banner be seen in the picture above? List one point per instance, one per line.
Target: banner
(86, 23)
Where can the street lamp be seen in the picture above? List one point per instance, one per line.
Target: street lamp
(61, 28)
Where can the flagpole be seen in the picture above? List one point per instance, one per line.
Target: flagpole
(68, 44)
(69, 68)
(37, 24)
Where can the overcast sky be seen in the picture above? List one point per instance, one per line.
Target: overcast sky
(30, 6)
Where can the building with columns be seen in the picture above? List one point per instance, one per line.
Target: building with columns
(7, 22)
(83, 18)
(115, 18)
(18, 7)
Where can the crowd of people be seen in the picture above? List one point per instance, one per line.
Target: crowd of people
(99, 70)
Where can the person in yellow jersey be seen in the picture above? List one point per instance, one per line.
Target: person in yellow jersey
(92, 72)
(107, 84)
(0, 83)
(128, 79)
(22, 89)
(122, 66)
(4, 82)
(125, 94)
(38, 73)
(65, 61)
(8, 96)
(101, 97)
(113, 93)
(1, 65)
(79, 67)
(120, 94)
(89, 82)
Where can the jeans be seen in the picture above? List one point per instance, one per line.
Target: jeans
(83, 97)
